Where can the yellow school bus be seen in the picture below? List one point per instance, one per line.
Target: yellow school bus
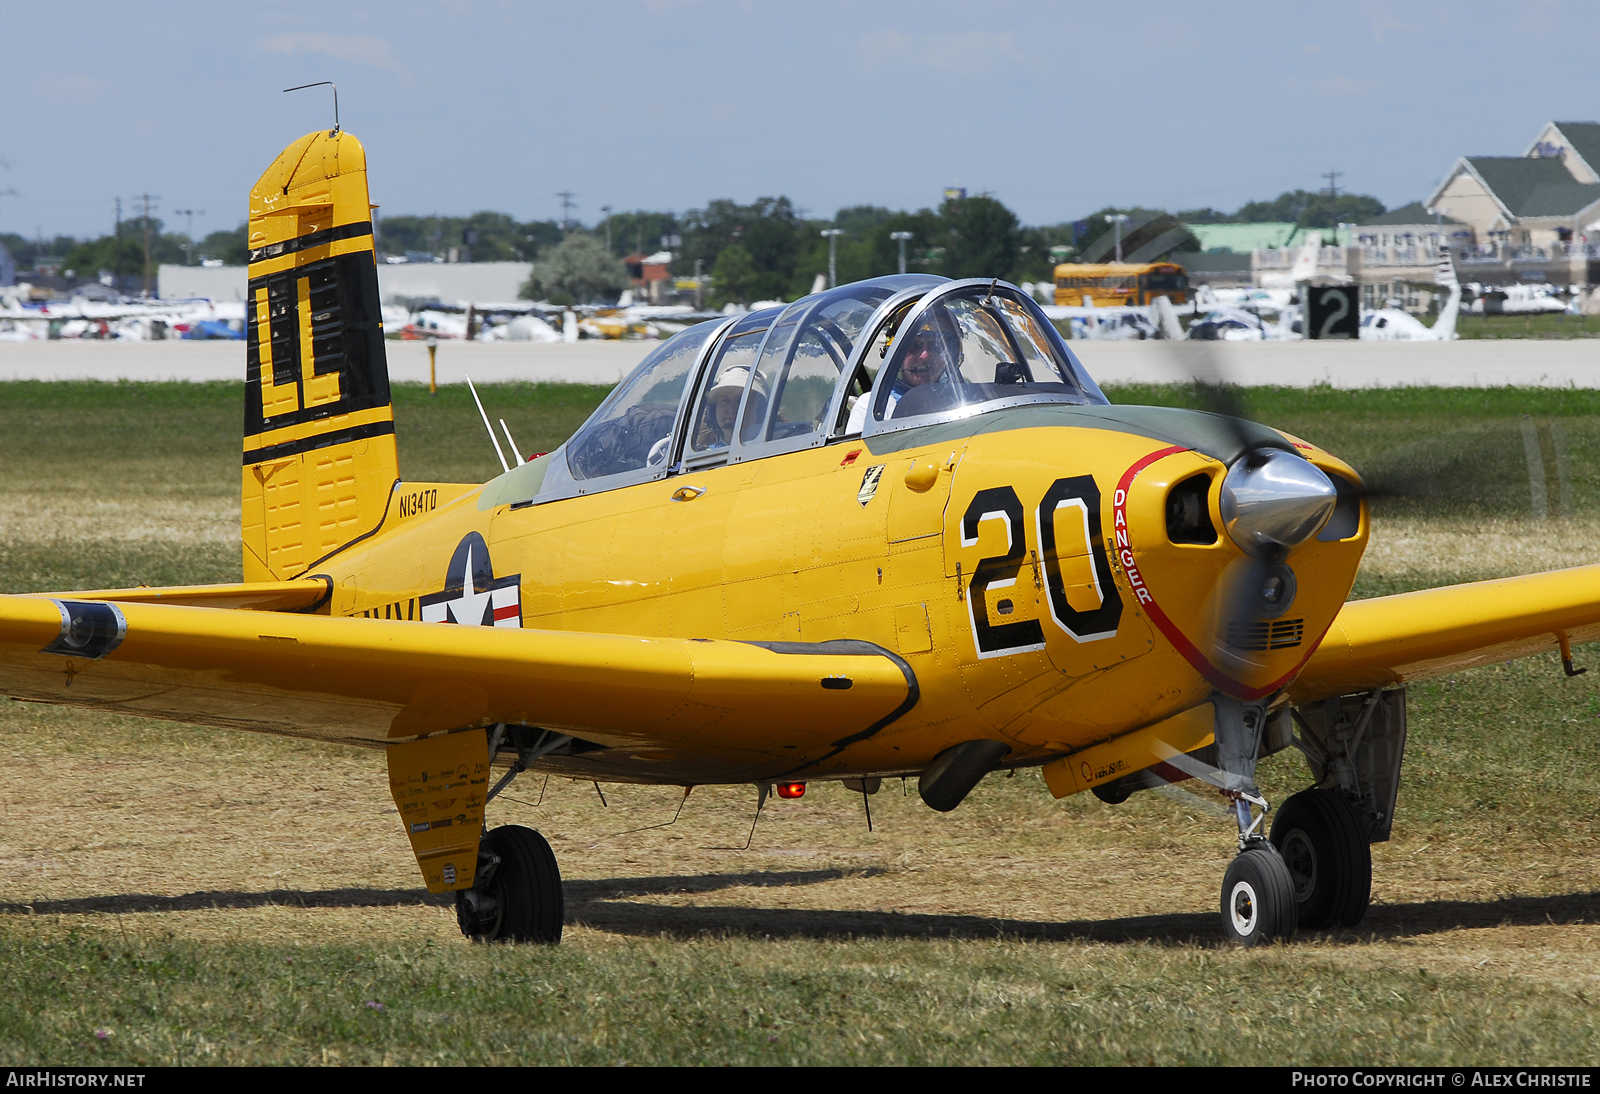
(1112, 283)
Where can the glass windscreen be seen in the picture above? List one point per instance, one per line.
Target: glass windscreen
(725, 383)
(632, 429)
(800, 366)
(969, 348)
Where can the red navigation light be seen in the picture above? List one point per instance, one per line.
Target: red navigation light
(791, 790)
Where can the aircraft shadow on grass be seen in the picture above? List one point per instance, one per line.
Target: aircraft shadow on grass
(604, 904)
(1183, 928)
(578, 891)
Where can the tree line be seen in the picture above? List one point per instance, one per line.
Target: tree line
(765, 250)
(122, 255)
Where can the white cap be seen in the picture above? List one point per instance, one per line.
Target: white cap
(733, 379)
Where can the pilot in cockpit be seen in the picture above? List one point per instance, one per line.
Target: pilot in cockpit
(932, 355)
(927, 360)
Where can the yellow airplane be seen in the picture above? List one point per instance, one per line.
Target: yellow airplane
(893, 528)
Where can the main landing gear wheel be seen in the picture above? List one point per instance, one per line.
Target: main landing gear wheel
(522, 901)
(1258, 904)
(1321, 840)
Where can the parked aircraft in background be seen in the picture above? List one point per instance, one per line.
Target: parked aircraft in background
(1515, 300)
(139, 320)
(1394, 325)
(1304, 267)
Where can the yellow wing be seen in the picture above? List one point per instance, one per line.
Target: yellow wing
(303, 595)
(1412, 636)
(728, 708)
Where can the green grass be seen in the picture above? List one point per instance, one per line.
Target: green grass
(713, 1001)
(186, 437)
(1558, 325)
(152, 449)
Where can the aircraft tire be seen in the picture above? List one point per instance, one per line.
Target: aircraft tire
(526, 888)
(1319, 835)
(1258, 904)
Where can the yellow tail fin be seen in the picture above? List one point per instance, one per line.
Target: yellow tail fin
(319, 449)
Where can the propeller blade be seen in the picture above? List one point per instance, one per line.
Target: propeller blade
(1199, 769)
(1190, 800)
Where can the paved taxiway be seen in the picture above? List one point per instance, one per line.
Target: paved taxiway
(1487, 363)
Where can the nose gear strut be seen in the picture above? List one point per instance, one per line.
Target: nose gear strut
(1258, 896)
(1239, 726)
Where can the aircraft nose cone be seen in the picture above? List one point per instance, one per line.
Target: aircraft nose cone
(1273, 500)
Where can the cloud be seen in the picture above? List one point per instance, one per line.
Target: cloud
(1385, 24)
(78, 89)
(969, 54)
(359, 48)
(1336, 87)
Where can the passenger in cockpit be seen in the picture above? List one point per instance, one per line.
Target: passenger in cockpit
(722, 407)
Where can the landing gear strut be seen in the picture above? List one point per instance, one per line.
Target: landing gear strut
(1258, 894)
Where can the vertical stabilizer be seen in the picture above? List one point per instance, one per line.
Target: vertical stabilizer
(1444, 328)
(319, 448)
(1166, 318)
(1305, 263)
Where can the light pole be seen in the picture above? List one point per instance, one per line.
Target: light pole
(900, 238)
(832, 235)
(1118, 219)
(606, 209)
(188, 248)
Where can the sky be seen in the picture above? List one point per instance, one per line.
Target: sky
(1057, 109)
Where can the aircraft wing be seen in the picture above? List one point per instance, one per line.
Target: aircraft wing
(302, 595)
(1413, 636)
(370, 681)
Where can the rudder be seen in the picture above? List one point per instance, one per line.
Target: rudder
(319, 447)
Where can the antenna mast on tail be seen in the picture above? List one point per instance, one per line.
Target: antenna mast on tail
(323, 83)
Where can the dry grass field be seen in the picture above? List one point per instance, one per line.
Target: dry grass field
(181, 895)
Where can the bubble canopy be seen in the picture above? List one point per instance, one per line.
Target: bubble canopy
(870, 357)
(968, 347)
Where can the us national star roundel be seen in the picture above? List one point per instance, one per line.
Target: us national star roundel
(472, 595)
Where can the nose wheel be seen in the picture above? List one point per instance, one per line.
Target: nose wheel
(1258, 901)
(517, 895)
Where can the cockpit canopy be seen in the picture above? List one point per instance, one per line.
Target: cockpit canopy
(867, 358)
(967, 348)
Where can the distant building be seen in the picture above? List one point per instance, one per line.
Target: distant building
(1242, 238)
(1505, 220)
(649, 275)
(1397, 255)
(1534, 217)
(1232, 252)
(1219, 269)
